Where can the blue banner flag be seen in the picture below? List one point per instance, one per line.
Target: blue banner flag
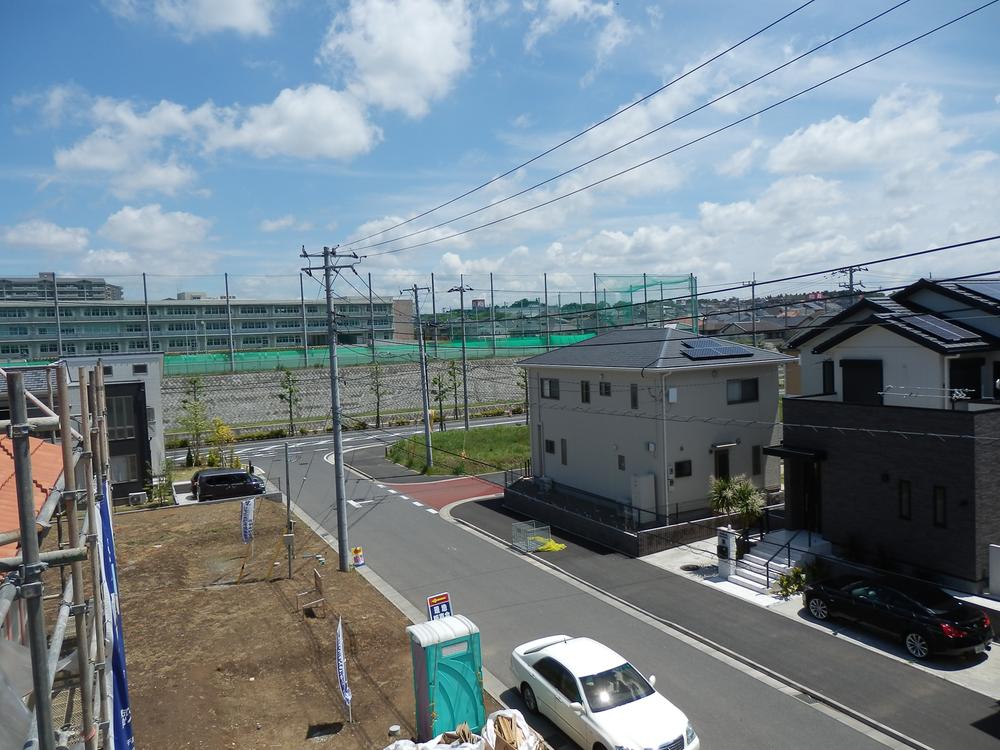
(121, 717)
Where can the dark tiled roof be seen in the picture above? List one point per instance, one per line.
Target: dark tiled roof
(34, 381)
(638, 348)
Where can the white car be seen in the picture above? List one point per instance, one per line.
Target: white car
(596, 697)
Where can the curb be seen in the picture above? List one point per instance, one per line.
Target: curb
(710, 644)
(491, 684)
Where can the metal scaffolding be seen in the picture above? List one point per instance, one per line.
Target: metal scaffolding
(69, 704)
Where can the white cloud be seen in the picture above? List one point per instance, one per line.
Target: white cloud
(557, 13)
(54, 105)
(740, 162)
(903, 130)
(150, 150)
(38, 234)
(110, 262)
(400, 54)
(192, 18)
(149, 228)
(312, 121)
(285, 222)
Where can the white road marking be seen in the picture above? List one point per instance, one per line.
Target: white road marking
(431, 510)
(419, 505)
(392, 492)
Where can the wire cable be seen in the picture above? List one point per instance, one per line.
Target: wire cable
(588, 129)
(689, 143)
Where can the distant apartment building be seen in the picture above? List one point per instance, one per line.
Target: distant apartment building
(46, 286)
(39, 330)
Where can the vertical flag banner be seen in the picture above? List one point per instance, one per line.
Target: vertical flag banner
(345, 689)
(246, 520)
(120, 736)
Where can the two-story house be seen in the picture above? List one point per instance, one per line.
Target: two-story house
(643, 418)
(892, 444)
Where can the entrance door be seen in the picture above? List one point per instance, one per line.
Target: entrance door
(812, 496)
(722, 463)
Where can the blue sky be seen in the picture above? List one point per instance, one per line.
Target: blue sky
(185, 138)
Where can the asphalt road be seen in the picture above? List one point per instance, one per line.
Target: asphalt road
(513, 600)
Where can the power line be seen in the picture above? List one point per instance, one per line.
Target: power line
(588, 129)
(691, 142)
(648, 133)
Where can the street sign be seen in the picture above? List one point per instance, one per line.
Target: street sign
(439, 606)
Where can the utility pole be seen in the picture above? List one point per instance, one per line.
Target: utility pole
(434, 315)
(305, 328)
(462, 289)
(371, 316)
(145, 305)
(31, 588)
(333, 263)
(288, 512)
(493, 318)
(849, 272)
(545, 284)
(424, 384)
(229, 322)
(753, 306)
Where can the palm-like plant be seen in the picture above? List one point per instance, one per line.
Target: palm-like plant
(736, 495)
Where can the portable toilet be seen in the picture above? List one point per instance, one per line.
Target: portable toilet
(447, 675)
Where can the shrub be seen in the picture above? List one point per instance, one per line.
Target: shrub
(189, 458)
(790, 583)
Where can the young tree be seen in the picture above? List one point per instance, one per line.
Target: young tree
(439, 389)
(289, 394)
(376, 385)
(453, 384)
(221, 439)
(522, 381)
(194, 416)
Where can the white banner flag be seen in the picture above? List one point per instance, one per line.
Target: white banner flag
(246, 520)
(345, 689)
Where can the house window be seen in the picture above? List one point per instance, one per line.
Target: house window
(584, 391)
(741, 391)
(755, 455)
(562, 451)
(109, 370)
(621, 462)
(550, 388)
(940, 507)
(550, 446)
(682, 468)
(124, 469)
(904, 499)
(605, 388)
(633, 394)
(121, 419)
(828, 386)
(140, 369)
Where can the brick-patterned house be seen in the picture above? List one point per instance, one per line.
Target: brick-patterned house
(892, 445)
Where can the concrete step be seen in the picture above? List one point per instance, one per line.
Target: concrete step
(746, 583)
(752, 575)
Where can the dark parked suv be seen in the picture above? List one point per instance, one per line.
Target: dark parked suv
(217, 484)
(928, 620)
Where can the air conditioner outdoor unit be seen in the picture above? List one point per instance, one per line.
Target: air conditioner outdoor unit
(137, 498)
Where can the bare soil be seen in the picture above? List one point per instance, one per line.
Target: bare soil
(213, 663)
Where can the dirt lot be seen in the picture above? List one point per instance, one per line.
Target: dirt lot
(216, 664)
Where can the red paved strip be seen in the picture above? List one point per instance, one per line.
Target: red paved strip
(447, 491)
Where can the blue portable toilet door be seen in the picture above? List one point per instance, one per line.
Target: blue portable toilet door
(456, 687)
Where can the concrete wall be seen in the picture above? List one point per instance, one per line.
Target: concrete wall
(656, 434)
(252, 397)
(860, 484)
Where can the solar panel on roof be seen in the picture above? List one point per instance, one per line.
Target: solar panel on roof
(713, 349)
(940, 328)
(988, 289)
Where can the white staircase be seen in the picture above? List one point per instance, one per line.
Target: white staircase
(752, 569)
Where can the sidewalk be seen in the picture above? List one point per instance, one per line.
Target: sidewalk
(926, 702)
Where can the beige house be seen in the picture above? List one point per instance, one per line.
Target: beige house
(644, 417)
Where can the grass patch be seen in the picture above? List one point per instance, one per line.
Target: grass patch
(476, 451)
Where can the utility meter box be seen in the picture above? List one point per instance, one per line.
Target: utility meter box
(447, 675)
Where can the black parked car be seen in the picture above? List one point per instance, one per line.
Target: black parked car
(928, 620)
(217, 484)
